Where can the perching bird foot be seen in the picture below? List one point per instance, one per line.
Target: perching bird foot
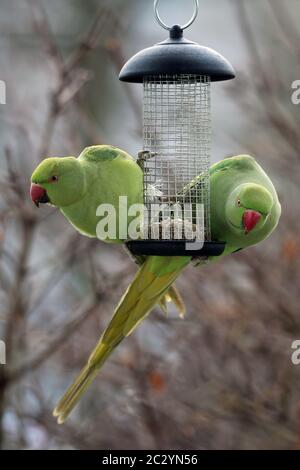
(144, 155)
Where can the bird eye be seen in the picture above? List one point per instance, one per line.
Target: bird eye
(239, 202)
(53, 179)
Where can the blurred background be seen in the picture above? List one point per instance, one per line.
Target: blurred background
(223, 377)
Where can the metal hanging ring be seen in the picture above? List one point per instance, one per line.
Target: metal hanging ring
(168, 28)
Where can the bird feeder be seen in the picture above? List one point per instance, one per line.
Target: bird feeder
(176, 75)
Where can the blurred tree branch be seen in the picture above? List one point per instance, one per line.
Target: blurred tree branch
(222, 378)
(71, 79)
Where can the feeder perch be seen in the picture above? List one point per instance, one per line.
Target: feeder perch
(176, 156)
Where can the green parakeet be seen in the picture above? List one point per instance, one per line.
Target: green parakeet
(78, 186)
(244, 211)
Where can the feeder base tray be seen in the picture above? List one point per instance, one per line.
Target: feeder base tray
(173, 248)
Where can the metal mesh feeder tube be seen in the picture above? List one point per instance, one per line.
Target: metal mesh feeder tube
(176, 75)
(177, 136)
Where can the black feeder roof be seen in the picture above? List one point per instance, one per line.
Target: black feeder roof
(175, 56)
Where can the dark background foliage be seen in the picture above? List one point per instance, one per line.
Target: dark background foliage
(223, 377)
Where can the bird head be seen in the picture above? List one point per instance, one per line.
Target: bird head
(58, 181)
(248, 209)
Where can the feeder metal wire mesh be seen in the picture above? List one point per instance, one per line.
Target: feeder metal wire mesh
(177, 138)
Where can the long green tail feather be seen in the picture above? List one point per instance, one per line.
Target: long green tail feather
(151, 282)
(173, 295)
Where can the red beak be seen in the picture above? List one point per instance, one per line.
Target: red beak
(250, 220)
(37, 194)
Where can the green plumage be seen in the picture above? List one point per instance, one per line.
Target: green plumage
(100, 175)
(241, 178)
(238, 187)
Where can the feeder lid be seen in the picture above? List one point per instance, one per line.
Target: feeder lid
(175, 56)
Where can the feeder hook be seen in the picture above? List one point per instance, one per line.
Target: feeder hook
(168, 28)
